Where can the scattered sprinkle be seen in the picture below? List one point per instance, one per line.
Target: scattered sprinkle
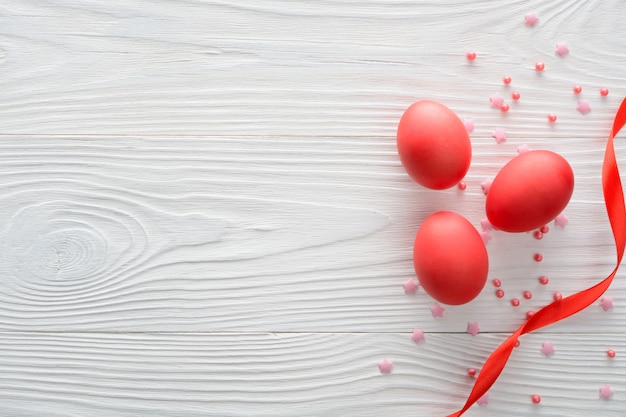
(561, 220)
(606, 303)
(552, 117)
(604, 91)
(517, 343)
(610, 353)
(544, 280)
(483, 400)
(418, 336)
(410, 286)
(522, 149)
(506, 80)
(547, 348)
(606, 392)
(471, 372)
(531, 19)
(538, 257)
(539, 66)
(462, 186)
(528, 295)
(583, 106)
(473, 328)
(529, 314)
(538, 235)
(544, 229)
(557, 296)
(496, 101)
(499, 135)
(385, 366)
(515, 302)
(561, 49)
(515, 95)
(536, 398)
(499, 293)
(578, 89)
(486, 236)
(437, 310)
(496, 282)
(471, 55)
(504, 108)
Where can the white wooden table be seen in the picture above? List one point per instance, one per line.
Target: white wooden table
(202, 212)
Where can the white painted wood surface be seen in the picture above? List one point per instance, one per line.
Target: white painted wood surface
(203, 214)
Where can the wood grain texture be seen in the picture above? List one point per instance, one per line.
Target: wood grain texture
(202, 212)
(297, 374)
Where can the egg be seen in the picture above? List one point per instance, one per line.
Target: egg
(529, 191)
(450, 258)
(433, 145)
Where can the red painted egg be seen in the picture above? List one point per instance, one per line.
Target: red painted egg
(450, 258)
(529, 191)
(433, 145)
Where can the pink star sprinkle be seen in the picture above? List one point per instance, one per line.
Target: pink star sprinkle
(385, 366)
(485, 185)
(547, 348)
(496, 101)
(469, 125)
(486, 225)
(418, 336)
(486, 236)
(583, 106)
(561, 220)
(499, 135)
(606, 303)
(522, 149)
(410, 286)
(561, 49)
(437, 310)
(473, 328)
(531, 19)
(484, 400)
(606, 392)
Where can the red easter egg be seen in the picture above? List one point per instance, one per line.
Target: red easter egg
(450, 258)
(433, 145)
(529, 191)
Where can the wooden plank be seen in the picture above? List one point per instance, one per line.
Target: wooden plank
(293, 68)
(299, 374)
(263, 234)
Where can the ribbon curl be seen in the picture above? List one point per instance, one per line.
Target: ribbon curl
(565, 307)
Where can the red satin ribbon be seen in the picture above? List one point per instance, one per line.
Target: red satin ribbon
(558, 310)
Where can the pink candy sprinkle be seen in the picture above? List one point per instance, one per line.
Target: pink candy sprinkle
(515, 95)
(543, 280)
(539, 66)
(536, 399)
(578, 89)
(471, 55)
(538, 257)
(544, 229)
(610, 353)
(499, 293)
(506, 80)
(528, 295)
(515, 302)
(496, 283)
(557, 296)
(538, 235)
(504, 108)
(471, 372)
(604, 91)
(462, 186)
(529, 314)
(552, 117)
